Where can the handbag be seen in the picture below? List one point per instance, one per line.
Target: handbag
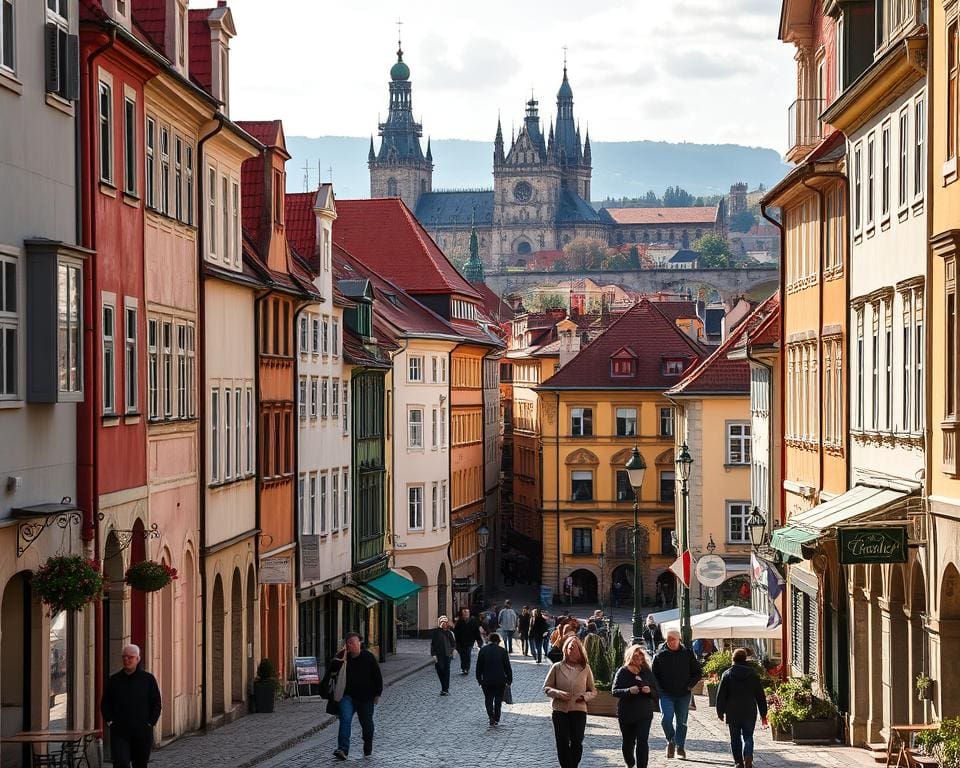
(507, 694)
(333, 708)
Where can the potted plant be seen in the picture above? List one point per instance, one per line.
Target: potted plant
(795, 706)
(942, 743)
(713, 669)
(266, 687)
(68, 582)
(149, 575)
(604, 659)
(924, 686)
(777, 717)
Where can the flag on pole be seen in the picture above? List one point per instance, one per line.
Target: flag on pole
(682, 568)
(756, 567)
(774, 583)
(774, 621)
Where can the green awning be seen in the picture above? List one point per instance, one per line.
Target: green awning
(359, 596)
(808, 526)
(393, 586)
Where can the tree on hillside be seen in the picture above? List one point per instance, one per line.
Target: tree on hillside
(585, 253)
(614, 260)
(542, 301)
(633, 260)
(742, 222)
(560, 265)
(714, 251)
(677, 197)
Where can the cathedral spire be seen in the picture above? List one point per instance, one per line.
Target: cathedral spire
(372, 156)
(498, 155)
(473, 269)
(429, 153)
(587, 158)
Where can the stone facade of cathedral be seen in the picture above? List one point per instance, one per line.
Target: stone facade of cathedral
(541, 186)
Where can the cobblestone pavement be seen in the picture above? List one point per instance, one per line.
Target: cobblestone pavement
(417, 728)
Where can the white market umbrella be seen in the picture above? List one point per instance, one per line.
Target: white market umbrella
(732, 622)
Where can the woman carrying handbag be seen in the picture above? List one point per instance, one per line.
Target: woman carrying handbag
(635, 688)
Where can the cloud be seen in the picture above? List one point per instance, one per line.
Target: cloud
(482, 64)
(662, 109)
(698, 65)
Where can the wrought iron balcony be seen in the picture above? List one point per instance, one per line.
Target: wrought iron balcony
(804, 129)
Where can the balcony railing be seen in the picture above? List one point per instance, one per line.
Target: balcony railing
(804, 128)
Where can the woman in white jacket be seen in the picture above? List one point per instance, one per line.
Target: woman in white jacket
(570, 684)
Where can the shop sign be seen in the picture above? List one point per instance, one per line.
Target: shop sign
(310, 557)
(307, 670)
(872, 545)
(275, 570)
(461, 584)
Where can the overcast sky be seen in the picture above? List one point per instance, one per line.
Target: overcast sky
(708, 71)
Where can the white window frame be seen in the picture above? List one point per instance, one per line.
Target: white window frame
(131, 356)
(70, 328)
(345, 516)
(578, 417)
(871, 197)
(167, 332)
(858, 187)
(323, 498)
(302, 398)
(626, 418)
(228, 243)
(227, 435)
(164, 191)
(10, 328)
(314, 397)
(251, 451)
(665, 414)
(109, 359)
(443, 428)
(415, 428)
(415, 507)
(742, 511)
(238, 440)
(346, 407)
(235, 212)
(885, 161)
(324, 398)
(744, 439)
(301, 494)
(212, 211)
(315, 334)
(129, 144)
(312, 507)
(105, 128)
(903, 168)
(443, 503)
(302, 337)
(325, 336)
(434, 428)
(188, 182)
(335, 399)
(183, 384)
(335, 336)
(214, 435)
(150, 159)
(919, 153)
(334, 494)
(415, 369)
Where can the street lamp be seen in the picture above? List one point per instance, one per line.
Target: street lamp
(636, 468)
(684, 464)
(483, 539)
(602, 560)
(758, 529)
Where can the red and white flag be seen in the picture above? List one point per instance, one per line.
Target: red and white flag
(683, 567)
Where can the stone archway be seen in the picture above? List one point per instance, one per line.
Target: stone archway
(15, 664)
(167, 658)
(236, 638)
(217, 648)
(897, 670)
(584, 586)
(949, 684)
(188, 604)
(413, 613)
(138, 599)
(917, 642)
(114, 606)
(442, 588)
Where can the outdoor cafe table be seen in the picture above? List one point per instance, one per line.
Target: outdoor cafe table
(80, 738)
(902, 734)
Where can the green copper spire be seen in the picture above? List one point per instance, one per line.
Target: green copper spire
(473, 270)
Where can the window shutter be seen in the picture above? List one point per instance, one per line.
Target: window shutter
(51, 58)
(71, 85)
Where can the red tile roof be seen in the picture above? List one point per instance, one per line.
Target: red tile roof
(679, 310)
(643, 328)
(201, 49)
(386, 236)
(251, 196)
(665, 216)
(718, 374)
(300, 223)
(494, 306)
(267, 132)
(151, 17)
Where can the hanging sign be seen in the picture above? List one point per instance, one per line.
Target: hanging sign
(711, 570)
(872, 545)
(275, 570)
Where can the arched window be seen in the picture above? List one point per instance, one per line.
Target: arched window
(523, 248)
(393, 189)
(423, 186)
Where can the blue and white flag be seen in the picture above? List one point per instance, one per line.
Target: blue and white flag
(774, 583)
(774, 621)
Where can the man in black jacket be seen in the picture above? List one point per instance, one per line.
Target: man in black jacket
(494, 674)
(131, 707)
(467, 632)
(362, 690)
(677, 671)
(442, 643)
(741, 697)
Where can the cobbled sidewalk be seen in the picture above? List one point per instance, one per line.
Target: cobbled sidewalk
(253, 739)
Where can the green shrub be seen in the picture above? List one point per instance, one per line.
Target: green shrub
(794, 701)
(943, 743)
(718, 663)
(266, 670)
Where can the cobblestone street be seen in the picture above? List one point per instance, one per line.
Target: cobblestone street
(415, 727)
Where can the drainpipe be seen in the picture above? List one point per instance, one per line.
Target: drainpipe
(556, 496)
(201, 408)
(88, 439)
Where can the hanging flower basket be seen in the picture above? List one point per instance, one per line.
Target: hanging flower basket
(149, 575)
(68, 582)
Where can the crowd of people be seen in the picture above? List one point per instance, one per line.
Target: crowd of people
(656, 675)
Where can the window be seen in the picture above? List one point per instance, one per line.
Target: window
(952, 82)
(583, 541)
(314, 335)
(919, 155)
(857, 187)
(7, 38)
(305, 524)
(191, 369)
(666, 542)
(302, 397)
(346, 407)
(738, 512)
(334, 495)
(9, 327)
(212, 210)
(888, 364)
(164, 205)
(903, 178)
(875, 367)
(335, 399)
(149, 167)
(918, 357)
(443, 503)
(415, 368)
(581, 485)
(323, 503)
(167, 361)
(129, 146)
(415, 428)
(69, 315)
(860, 368)
(215, 435)
(237, 439)
(303, 338)
(624, 489)
(130, 359)
(415, 508)
(106, 132)
(250, 433)
(738, 443)
(346, 498)
(668, 486)
(885, 170)
(188, 168)
(227, 435)
(581, 422)
(313, 507)
(109, 362)
(335, 337)
(626, 422)
(228, 245)
(621, 366)
(323, 398)
(870, 178)
(182, 384)
(666, 422)
(443, 427)
(178, 178)
(61, 54)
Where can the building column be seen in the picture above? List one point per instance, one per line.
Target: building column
(875, 625)
(859, 670)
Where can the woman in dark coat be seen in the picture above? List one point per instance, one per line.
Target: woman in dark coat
(740, 698)
(538, 628)
(523, 630)
(494, 675)
(636, 690)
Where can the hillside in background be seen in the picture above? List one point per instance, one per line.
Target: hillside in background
(620, 168)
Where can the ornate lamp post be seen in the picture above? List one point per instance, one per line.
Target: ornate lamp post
(636, 468)
(684, 465)
(601, 560)
(483, 539)
(758, 529)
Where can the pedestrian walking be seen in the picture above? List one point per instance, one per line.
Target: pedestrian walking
(636, 690)
(442, 643)
(507, 619)
(466, 632)
(491, 624)
(677, 671)
(538, 633)
(616, 590)
(362, 687)
(523, 630)
(131, 706)
(494, 675)
(570, 684)
(651, 635)
(740, 698)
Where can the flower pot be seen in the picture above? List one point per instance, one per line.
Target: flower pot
(264, 695)
(604, 704)
(926, 693)
(814, 730)
(712, 694)
(780, 734)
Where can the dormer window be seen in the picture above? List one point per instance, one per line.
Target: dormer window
(673, 366)
(621, 367)
(278, 198)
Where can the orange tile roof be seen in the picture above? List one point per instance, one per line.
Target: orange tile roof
(665, 216)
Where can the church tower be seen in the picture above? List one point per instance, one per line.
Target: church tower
(573, 155)
(400, 169)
